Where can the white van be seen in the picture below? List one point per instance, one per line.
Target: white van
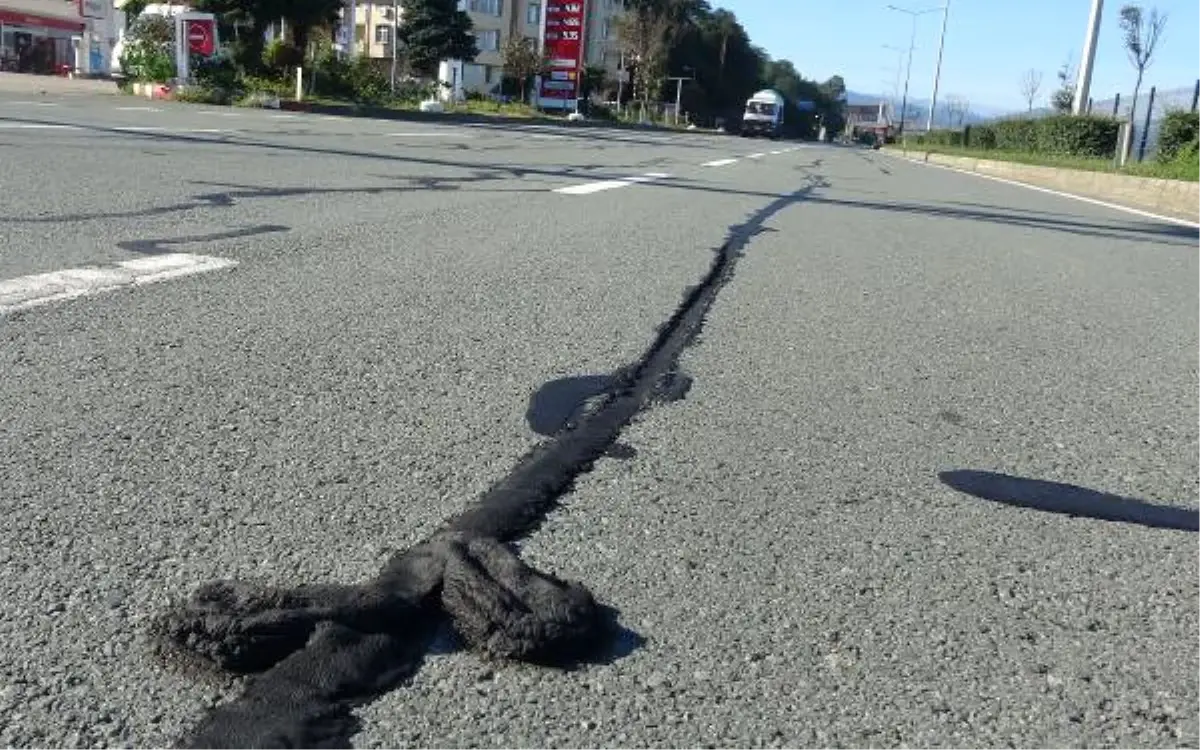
(764, 114)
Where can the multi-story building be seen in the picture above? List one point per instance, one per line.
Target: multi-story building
(495, 21)
(56, 36)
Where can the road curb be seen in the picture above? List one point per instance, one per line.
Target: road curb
(1176, 201)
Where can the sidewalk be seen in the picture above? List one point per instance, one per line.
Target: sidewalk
(22, 83)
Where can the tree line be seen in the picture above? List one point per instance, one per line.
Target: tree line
(692, 39)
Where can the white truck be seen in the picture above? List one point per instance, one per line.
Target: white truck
(764, 114)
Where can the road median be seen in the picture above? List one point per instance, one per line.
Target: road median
(1175, 198)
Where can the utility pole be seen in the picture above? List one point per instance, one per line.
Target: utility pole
(1084, 84)
(937, 74)
(393, 37)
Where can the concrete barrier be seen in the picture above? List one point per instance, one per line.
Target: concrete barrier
(1179, 199)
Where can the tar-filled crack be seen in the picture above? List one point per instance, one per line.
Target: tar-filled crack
(318, 651)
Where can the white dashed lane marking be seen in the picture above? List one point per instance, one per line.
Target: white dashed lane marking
(595, 187)
(25, 292)
(719, 163)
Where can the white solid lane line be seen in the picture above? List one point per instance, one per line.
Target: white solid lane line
(595, 187)
(719, 163)
(36, 126)
(25, 292)
(1059, 193)
(138, 109)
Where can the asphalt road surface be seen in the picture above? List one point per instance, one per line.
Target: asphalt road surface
(934, 481)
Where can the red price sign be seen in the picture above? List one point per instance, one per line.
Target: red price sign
(564, 48)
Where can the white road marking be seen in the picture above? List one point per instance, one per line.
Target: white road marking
(140, 128)
(755, 156)
(429, 134)
(284, 117)
(36, 126)
(33, 104)
(25, 292)
(595, 187)
(1084, 199)
(719, 163)
(138, 109)
(206, 130)
(776, 153)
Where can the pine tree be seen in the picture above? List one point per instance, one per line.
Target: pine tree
(435, 30)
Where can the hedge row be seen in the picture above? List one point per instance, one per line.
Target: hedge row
(1178, 132)
(1064, 135)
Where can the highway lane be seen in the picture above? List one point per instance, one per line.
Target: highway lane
(780, 539)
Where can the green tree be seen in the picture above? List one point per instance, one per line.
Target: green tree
(1142, 33)
(1063, 97)
(435, 30)
(522, 60)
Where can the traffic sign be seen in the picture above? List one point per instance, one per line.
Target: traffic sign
(200, 37)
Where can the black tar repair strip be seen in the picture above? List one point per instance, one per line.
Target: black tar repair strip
(316, 652)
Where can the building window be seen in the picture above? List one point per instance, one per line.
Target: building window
(489, 7)
(383, 34)
(533, 14)
(487, 40)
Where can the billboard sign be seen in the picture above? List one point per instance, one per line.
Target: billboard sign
(562, 35)
(92, 8)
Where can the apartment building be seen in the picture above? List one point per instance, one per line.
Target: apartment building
(495, 21)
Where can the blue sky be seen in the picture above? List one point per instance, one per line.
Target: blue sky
(989, 44)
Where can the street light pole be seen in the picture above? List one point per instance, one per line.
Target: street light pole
(1084, 83)
(912, 45)
(392, 36)
(937, 73)
(904, 101)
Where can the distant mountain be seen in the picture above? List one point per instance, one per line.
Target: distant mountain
(918, 109)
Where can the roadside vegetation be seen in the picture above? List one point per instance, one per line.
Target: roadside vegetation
(1073, 142)
(666, 36)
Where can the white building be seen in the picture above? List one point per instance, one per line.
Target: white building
(54, 37)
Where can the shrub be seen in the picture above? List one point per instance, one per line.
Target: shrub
(279, 56)
(1016, 135)
(981, 136)
(1077, 135)
(941, 138)
(148, 50)
(1178, 131)
(368, 84)
(203, 95)
(217, 73)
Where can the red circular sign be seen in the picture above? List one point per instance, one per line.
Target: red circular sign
(199, 36)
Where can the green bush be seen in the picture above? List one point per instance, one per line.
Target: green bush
(279, 56)
(1016, 135)
(980, 136)
(941, 138)
(203, 95)
(1077, 135)
(1063, 135)
(148, 50)
(217, 73)
(1178, 131)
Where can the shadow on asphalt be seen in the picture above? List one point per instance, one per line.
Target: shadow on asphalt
(1069, 499)
(481, 172)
